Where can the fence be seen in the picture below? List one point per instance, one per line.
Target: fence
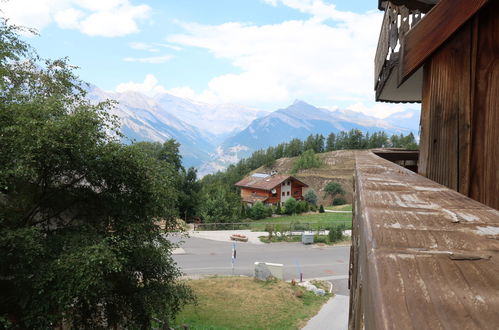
(279, 227)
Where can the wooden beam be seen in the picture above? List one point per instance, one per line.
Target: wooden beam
(434, 29)
(421, 5)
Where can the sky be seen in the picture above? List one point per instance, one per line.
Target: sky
(258, 53)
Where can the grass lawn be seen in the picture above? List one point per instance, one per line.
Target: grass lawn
(346, 207)
(244, 303)
(316, 220)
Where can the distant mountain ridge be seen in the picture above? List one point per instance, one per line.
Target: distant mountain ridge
(301, 119)
(215, 136)
(198, 127)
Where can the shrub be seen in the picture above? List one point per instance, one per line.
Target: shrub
(313, 207)
(311, 197)
(332, 189)
(269, 229)
(290, 205)
(336, 233)
(303, 206)
(339, 201)
(308, 159)
(321, 209)
(278, 209)
(320, 239)
(268, 211)
(258, 211)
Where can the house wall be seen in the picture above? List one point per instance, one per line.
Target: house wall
(248, 192)
(275, 199)
(460, 117)
(296, 191)
(286, 190)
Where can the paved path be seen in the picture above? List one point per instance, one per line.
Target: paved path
(332, 316)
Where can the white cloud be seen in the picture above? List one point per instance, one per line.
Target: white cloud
(306, 59)
(143, 46)
(151, 60)
(107, 18)
(380, 110)
(149, 86)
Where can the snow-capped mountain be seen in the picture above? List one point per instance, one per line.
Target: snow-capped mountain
(299, 121)
(215, 136)
(198, 127)
(220, 120)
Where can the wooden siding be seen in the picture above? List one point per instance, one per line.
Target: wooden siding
(459, 135)
(296, 190)
(248, 192)
(484, 169)
(423, 256)
(433, 31)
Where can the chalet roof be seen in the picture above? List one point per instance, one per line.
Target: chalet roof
(267, 183)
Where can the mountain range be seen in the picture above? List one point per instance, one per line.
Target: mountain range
(215, 136)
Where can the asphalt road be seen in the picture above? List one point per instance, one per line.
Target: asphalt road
(208, 257)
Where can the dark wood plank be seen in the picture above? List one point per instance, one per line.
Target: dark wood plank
(445, 111)
(484, 174)
(434, 29)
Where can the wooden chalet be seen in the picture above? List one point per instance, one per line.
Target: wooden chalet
(270, 189)
(425, 245)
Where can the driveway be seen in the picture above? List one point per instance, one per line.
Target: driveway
(211, 255)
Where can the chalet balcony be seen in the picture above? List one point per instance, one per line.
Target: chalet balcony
(423, 256)
(400, 17)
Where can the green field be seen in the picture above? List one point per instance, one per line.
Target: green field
(311, 221)
(346, 207)
(244, 303)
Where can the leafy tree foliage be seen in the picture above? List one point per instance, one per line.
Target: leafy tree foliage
(306, 160)
(332, 189)
(78, 240)
(311, 196)
(339, 201)
(220, 205)
(290, 205)
(258, 211)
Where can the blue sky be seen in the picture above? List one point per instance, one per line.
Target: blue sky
(257, 53)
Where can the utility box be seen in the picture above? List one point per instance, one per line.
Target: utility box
(307, 237)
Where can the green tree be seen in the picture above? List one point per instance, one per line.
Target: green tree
(321, 209)
(78, 238)
(189, 194)
(331, 142)
(333, 189)
(258, 211)
(220, 206)
(311, 196)
(306, 160)
(290, 205)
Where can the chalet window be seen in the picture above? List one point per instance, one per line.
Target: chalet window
(289, 183)
(283, 193)
(284, 183)
(296, 192)
(288, 193)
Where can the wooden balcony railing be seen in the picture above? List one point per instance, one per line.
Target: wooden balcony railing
(398, 20)
(423, 256)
